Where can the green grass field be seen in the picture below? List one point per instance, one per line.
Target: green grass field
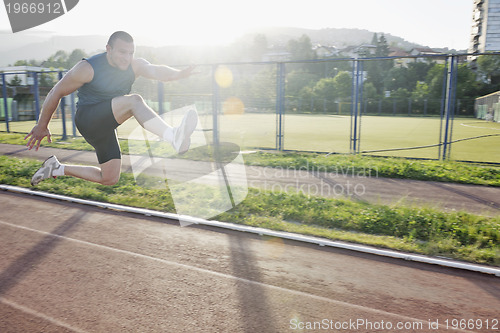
(331, 133)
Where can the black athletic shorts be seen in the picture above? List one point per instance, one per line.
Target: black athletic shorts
(97, 125)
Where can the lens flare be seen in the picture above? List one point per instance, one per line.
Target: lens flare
(207, 181)
(233, 105)
(224, 77)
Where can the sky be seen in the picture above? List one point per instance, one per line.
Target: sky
(434, 23)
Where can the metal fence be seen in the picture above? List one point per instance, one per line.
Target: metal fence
(304, 106)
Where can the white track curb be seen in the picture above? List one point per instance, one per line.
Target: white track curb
(266, 232)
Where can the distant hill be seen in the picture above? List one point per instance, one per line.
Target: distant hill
(41, 45)
(339, 38)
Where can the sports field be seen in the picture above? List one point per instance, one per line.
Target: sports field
(331, 133)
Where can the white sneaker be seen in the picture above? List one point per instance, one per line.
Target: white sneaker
(46, 171)
(182, 134)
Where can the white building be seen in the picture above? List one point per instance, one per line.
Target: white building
(324, 52)
(485, 32)
(276, 56)
(23, 73)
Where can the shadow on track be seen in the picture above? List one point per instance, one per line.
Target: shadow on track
(253, 300)
(27, 262)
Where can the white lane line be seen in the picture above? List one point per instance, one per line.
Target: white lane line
(226, 276)
(491, 128)
(39, 315)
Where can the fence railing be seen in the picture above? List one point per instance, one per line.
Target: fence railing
(273, 105)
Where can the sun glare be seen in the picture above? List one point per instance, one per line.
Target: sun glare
(194, 35)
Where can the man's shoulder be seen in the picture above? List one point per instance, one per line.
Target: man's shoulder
(138, 65)
(82, 71)
(95, 57)
(83, 66)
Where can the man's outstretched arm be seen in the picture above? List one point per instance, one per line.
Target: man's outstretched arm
(160, 72)
(74, 79)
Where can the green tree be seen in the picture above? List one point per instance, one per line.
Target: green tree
(378, 69)
(488, 70)
(435, 79)
(15, 82)
(417, 71)
(75, 56)
(397, 77)
(259, 47)
(263, 88)
(467, 85)
(301, 49)
(343, 86)
(58, 60)
(325, 94)
(297, 80)
(401, 94)
(421, 91)
(382, 47)
(370, 92)
(47, 79)
(384, 51)
(25, 63)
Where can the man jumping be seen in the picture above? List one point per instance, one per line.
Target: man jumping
(104, 82)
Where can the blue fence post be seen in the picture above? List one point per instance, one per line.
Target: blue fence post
(356, 96)
(36, 93)
(73, 113)
(442, 107)
(449, 106)
(352, 144)
(215, 107)
(63, 113)
(453, 104)
(160, 97)
(5, 102)
(360, 99)
(280, 104)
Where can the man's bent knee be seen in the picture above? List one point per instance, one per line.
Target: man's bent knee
(113, 180)
(135, 100)
(110, 172)
(123, 107)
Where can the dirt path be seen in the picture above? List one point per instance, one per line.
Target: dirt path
(365, 186)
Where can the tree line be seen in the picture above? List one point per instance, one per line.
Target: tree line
(323, 86)
(416, 83)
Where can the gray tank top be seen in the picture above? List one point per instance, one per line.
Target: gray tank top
(108, 82)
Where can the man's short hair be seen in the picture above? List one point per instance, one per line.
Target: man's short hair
(120, 35)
